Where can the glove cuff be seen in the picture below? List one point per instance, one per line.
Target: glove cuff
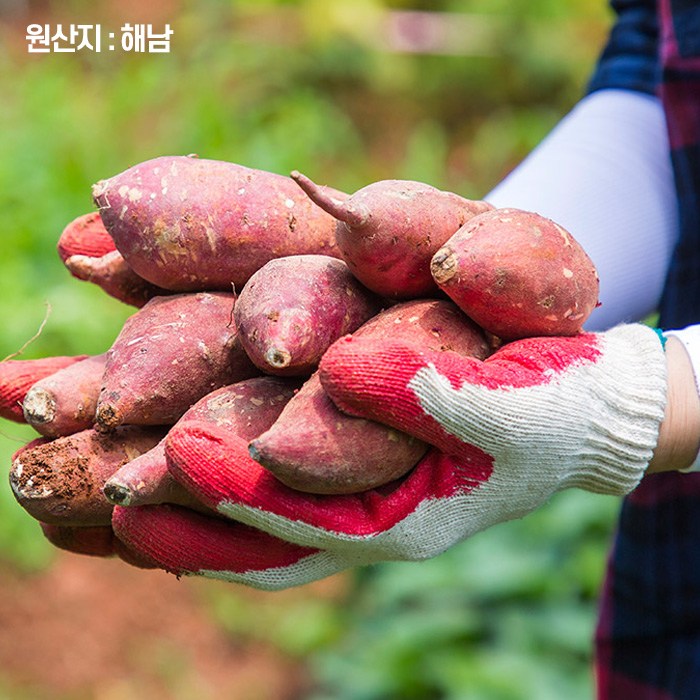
(625, 412)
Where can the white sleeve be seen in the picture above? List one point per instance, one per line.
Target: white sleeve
(604, 173)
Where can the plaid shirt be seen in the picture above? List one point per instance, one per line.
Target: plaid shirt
(648, 635)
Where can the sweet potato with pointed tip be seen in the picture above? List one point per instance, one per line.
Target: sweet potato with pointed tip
(18, 376)
(65, 402)
(60, 481)
(85, 235)
(190, 224)
(168, 355)
(293, 308)
(245, 409)
(388, 231)
(518, 274)
(89, 254)
(112, 274)
(314, 447)
(143, 481)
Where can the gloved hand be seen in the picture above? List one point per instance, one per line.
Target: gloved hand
(540, 415)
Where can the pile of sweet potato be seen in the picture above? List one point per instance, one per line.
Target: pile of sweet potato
(242, 279)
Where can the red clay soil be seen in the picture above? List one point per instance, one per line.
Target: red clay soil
(89, 628)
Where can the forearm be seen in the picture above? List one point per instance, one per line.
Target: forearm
(679, 436)
(604, 173)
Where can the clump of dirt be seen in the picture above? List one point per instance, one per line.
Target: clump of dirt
(55, 467)
(60, 482)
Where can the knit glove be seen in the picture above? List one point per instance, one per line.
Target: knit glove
(538, 416)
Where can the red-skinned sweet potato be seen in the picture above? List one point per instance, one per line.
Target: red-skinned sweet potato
(189, 224)
(245, 409)
(89, 254)
(388, 231)
(314, 447)
(112, 274)
(94, 540)
(18, 376)
(60, 481)
(85, 235)
(518, 274)
(293, 308)
(91, 540)
(168, 355)
(65, 402)
(146, 481)
(435, 323)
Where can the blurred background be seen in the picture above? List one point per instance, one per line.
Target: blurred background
(453, 93)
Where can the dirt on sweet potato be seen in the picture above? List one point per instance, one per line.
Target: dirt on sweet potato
(245, 409)
(60, 482)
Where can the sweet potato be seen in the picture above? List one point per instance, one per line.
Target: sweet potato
(60, 482)
(96, 541)
(89, 254)
(91, 540)
(245, 409)
(315, 447)
(436, 324)
(146, 481)
(85, 235)
(168, 355)
(65, 402)
(112, 274)
(190, 224)
(388, 231)
(18, 376)
(293, 308)
(518, 274)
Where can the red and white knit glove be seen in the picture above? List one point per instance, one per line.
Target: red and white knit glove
(540, 415)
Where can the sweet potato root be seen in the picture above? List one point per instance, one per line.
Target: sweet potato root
(114, 276)
(18, 376)
(190, 224)
(168, 355)
(314, 447)
(518, 274)
(60, 482)
(85, 235)
(388, 231)
(293, 308)
(89, 254)
(65, 402)
(146, 481)
(245, 409)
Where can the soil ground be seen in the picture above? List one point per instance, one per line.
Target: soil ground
(96, 629)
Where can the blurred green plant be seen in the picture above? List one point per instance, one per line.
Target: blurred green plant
(318, 86)
(507, 615)
(297, 626)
